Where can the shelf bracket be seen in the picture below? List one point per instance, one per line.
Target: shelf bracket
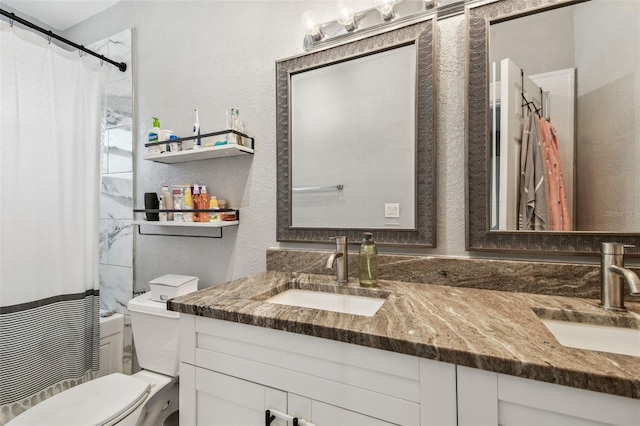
(179, 235)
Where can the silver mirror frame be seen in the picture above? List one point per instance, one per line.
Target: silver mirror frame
(479, 237)
(423, 35)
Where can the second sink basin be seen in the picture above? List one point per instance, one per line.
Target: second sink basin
(335, 302)
(596, 337)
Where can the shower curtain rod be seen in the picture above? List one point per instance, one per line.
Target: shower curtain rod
(12, 17)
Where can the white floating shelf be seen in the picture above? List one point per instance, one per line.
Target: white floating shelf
(221, 224)
(229, 150)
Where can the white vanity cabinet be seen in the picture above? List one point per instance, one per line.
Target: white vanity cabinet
(487, 398)
(231, 373)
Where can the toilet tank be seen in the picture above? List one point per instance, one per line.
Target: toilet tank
(155, 334)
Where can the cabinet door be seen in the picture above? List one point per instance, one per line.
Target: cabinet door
(487, 398)
(229, 401)
(534, 403)
(322, 414)
(477, 397)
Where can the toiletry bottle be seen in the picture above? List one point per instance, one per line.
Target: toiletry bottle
(236, 119)
(165, 135)
(196, 202)
(368, 262)
(168, 199)
(173, 145)
(196, 130)
(204, 204)
(177, 203)
(237, 126)
(187, 201)
(230, 115)
(162, 215)
(213, 205)
(232, 121)
(154, 136)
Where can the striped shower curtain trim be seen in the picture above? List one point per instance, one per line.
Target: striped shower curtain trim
(41, 343)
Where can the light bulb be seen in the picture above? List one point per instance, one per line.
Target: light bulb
(385, 7)
(346, 15)
(311, 26)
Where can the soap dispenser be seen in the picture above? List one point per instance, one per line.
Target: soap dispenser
(155, 135)
(368, 262)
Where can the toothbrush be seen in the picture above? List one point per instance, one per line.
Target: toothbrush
(196, 128)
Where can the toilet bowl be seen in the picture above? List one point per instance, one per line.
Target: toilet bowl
(149, 397)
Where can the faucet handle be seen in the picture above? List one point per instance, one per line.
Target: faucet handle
(614, 248)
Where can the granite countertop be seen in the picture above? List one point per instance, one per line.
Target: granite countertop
(486, 329)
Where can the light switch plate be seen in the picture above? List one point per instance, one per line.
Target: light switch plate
(391, 210)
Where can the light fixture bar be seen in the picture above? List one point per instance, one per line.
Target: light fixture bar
(367, 23)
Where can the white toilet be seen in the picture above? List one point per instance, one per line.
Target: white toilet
(149, 397)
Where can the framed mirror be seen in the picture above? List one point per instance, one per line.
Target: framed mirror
(559, 76)
(355, 140)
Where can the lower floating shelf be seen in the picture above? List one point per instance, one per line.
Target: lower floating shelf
(190, 225)
(221, 224)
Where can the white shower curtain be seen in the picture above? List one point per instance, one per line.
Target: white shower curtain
(51, 104)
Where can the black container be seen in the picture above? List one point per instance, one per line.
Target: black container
(151, 202)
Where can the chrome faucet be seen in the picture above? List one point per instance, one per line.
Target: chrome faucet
(340, 260)
(613, 275)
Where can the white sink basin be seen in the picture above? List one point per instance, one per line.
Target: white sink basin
(335, 302)
(619, 340)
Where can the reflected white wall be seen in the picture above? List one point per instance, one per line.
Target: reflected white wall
(353, 124)
(608, 176)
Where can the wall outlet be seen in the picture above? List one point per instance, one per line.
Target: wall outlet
(391, 210)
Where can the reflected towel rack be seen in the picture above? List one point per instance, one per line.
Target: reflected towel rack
(339, 187)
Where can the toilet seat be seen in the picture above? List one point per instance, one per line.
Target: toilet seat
(103, 401)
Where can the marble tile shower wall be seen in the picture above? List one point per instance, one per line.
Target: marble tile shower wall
(116, 186)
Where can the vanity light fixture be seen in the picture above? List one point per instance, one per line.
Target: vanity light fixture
(311, 26)
(387, 14)
(385, 7)
(346, 15)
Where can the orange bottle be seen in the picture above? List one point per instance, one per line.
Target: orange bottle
(196, 202)
(204, 204)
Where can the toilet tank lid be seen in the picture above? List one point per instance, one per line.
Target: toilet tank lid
(102, 401)
(145, 305)
(173, 280)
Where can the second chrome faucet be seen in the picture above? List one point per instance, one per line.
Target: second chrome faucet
(339, 260)
(614, 275)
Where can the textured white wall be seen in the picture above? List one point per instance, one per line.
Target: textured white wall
(220, 54)
(535, 32)
(608, 105)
